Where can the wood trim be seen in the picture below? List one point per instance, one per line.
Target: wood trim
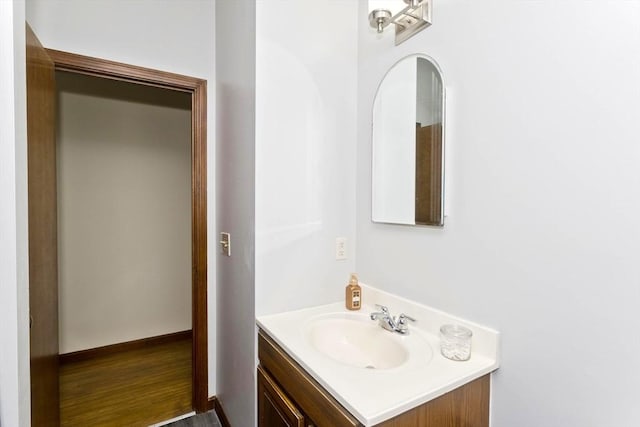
(74, 63)
(70, 62)
(428, 179)
(215, 404)
(81, 355)
(199, 245)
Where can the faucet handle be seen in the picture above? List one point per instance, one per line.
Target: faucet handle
(403, 327)
(383, 308)
(382, 315)
(402, 319)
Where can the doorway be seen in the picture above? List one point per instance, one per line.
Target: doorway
(196, 90)
(124, 251)
(72, 63)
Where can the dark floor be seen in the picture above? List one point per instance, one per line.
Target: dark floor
(208, 419)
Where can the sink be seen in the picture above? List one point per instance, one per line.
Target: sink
(355, 340)
(336, 346)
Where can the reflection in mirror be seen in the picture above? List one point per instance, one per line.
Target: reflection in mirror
(407, 169)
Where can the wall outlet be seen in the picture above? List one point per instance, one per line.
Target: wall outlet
(341, 248)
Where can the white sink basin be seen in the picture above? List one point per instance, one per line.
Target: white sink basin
(355, 340)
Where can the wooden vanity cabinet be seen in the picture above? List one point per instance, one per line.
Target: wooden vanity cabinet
(288, 396)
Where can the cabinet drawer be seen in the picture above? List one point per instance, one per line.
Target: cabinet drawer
(274, 407)
(310, 397)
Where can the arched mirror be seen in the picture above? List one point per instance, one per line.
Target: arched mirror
(408, 144)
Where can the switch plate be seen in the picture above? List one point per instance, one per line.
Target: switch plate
(341, 248)
(225, 243)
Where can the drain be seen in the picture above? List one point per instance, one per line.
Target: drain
(370, 367)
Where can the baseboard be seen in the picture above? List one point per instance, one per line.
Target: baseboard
(78, 356)
(214, 403)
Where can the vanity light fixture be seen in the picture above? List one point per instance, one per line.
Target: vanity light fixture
(409, 16)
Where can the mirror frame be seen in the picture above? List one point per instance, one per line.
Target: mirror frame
(443, 131)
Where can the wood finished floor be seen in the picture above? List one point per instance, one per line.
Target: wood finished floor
(133, 388)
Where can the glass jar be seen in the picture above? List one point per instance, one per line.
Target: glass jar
(455, 342)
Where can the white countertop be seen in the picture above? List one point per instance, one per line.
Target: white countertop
(373, 396)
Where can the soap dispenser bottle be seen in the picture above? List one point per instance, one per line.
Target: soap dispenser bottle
(354, 294)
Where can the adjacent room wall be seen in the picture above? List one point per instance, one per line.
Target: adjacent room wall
(175, 36)
(305, 151)
(14, 264)
(235, 197)
(542, 238)
(124, 211)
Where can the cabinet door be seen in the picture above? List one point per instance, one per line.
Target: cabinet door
(274, 407)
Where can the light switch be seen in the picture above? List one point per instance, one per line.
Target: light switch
(225, 243)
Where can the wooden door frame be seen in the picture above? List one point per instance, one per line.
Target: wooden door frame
(70, 62)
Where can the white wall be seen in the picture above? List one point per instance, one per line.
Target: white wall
(291, 101)
(542, 240)
(428, 93)
(124, 211)
(175, 36)
(235, 196)
(14, 267)
(305, 151)
(394, 140)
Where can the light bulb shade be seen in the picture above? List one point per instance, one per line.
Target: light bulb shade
(393, 6)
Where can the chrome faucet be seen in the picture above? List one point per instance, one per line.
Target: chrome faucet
(390, 323)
